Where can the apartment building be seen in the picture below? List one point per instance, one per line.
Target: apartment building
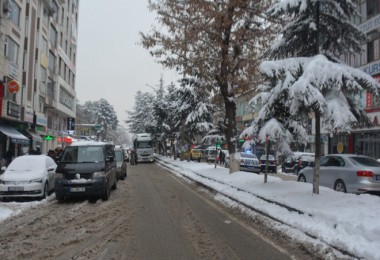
(38, 46)
(365, 140)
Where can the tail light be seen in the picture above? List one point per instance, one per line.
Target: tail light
(299, 163)
(261, 162)
(364, 174)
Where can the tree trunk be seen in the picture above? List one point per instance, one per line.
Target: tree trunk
(317, 153)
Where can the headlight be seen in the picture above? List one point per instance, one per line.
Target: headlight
(39, 180)
(58, 175)
(99, 174)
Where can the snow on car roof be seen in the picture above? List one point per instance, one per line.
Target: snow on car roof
(86, 143)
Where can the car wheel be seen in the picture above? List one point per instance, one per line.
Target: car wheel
(106, 193)
(114, 186)
(46, 191)
(59, 197)
(122, 177)
(302, 178)
(340, 186)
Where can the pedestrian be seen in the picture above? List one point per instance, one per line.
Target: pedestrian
(221, 157)
(133, 156)
(51, 154)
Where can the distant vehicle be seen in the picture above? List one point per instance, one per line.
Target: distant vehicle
(297, 161)
(346, 173)
(211, 154)
(28, 176)
(121, 163)
(144, 147)
(249, 162)
(86, 169)
(272, 163)
(195, 154)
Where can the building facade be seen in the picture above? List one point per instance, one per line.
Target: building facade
(38, 48)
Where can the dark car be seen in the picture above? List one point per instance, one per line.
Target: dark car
(297, 161)
(86, 169)
(272, 163)
(121, 163)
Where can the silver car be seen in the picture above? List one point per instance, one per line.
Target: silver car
(346, 173)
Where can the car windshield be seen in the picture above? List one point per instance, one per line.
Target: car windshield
(248, 155)
(144, 144)
(365, 161)
(80, 154)
(119, 155)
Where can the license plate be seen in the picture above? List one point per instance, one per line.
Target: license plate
(377, 177)
(77, 189)
(16, 188)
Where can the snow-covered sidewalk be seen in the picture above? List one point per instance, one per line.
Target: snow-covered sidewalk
(346, 221)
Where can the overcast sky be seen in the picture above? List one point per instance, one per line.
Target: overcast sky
(110, 62)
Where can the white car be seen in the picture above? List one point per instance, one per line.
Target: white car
(28, 176)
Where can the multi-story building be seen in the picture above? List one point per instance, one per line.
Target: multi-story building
(365, 140)
(38, 46)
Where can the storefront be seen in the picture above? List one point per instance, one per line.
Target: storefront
(12, 143)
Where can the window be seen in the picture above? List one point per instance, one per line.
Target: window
(50, 88)
(11, 50)
(42, 75)
(53, 36)
(372, 8)
(45, 16)
(44, 45)
(370, 52)
(14, 12)
(55, 13)
(51, 61)
(41, 104)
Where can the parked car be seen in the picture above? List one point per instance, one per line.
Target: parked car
(272, 163)
(28, 176)
(86, 169)
(297, 161)
(211, 154)
(195, 154)
(346, 173)
(121, 163)
(249, 162)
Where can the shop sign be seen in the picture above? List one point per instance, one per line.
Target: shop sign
(13, 86)
(339, 147)
(40, 129)
(28, 114)
(13, 109)
(41, 120)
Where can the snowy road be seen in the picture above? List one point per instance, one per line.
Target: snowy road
(152, 215)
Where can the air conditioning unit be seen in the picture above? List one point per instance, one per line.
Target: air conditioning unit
(6, 6)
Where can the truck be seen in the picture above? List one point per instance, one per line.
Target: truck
(143, 145)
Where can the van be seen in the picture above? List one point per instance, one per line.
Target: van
(86, 169)
(211, 154)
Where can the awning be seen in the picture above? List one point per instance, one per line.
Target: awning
(35, 136)
(16, 136)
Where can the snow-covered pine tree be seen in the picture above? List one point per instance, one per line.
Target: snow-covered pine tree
(306, 75)
(193, 109)
(106, 117)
